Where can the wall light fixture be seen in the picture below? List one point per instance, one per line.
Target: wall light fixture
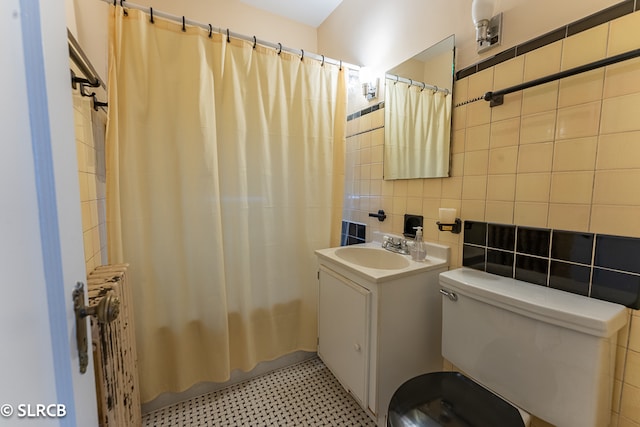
(369, 83)
(370, 89)
(488, 26)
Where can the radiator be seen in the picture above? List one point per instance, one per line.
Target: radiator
(114, 350)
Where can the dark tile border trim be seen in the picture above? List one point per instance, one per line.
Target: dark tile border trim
(543, 40)
(609, 14)
(466, 72)
(496, 59)
(367, 110)
(606, 15)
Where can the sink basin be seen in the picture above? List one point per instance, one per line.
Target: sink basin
(375, 264)
(372, 258)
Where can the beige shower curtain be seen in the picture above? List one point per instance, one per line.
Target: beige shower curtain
(417, 132)
(224, 173)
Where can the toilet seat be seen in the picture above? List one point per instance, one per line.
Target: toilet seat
(449, 399)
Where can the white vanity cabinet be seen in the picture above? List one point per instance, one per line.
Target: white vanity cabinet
(378, 328)
(343, 331)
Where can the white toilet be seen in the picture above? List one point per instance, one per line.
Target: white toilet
(547, 352)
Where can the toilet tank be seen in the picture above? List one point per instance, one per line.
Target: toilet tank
(549, 352)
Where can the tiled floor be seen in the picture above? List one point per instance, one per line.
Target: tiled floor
(305, 394)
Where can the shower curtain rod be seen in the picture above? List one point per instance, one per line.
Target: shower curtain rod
(78, 56)
(423, 85)
(91, 77)
(225, 31)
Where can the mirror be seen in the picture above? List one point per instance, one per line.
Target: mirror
(418, 114)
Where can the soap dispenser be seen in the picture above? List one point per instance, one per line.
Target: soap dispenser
(418, 250)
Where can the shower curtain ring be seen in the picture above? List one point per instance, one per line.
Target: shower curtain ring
(255, 42)
(279, 48)
(322, 64)
(151, 14)
(302, 56)
(435, 89)
(123, 9)
(228, 39)
(397, 80)
(184, 28)
(210, 30)
(340, 65)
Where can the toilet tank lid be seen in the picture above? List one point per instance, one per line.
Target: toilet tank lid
(577, 312)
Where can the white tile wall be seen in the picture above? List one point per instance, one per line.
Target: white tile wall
(90, 137)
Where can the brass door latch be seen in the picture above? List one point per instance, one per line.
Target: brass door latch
(106, 311)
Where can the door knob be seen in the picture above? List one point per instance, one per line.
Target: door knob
(106, 311)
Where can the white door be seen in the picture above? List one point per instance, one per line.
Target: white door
(41, 252)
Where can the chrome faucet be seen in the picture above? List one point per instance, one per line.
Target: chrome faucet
(397, 245)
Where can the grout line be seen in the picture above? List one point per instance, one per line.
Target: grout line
(365, 131)
(592, 264)
(618, 410)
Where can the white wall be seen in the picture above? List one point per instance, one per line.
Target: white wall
(26, 364)
(67, 193)
(41, 245)
(91, 31)
(71, 17)
(381, 34)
